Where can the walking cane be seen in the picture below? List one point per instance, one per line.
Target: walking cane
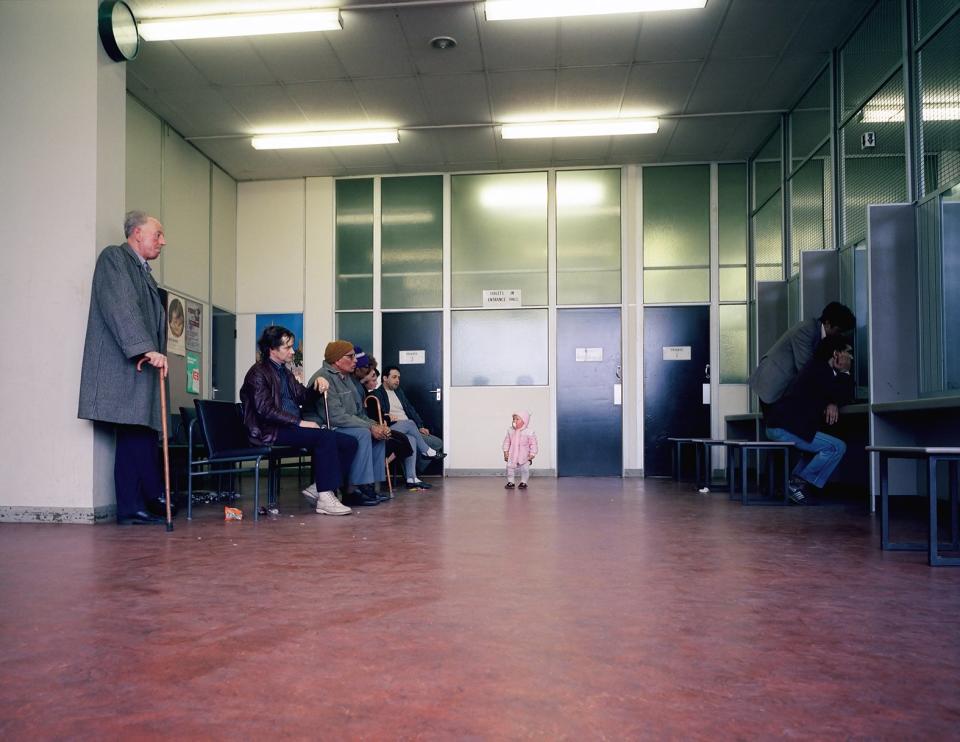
(166, 450)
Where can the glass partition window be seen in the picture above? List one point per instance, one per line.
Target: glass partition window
(931, 12)
(676, 233)
(484, 355)
(811, 207)
(411, 242)
(870, 55)
(734, 353)
(938, 62)
(588, 237)
(357, 327)
(767, 173)
(810, 120)
(768, 241)
(873, 174)
(732, 230)
(499, 232)
(354, 253)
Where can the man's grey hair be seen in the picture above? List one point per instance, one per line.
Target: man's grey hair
(132, 220)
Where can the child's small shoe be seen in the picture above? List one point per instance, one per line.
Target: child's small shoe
(523, 485)
(509, 485)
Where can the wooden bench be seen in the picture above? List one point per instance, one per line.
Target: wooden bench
(933, 456)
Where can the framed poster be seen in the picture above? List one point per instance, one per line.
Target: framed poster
(176, 325)
(194, 326)
(193, 373)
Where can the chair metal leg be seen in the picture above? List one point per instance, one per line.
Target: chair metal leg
(884, 502)
(935, 560)
(256, 489)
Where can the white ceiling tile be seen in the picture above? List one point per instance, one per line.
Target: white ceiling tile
(420, 25)
(511, 45)
(827, 25)
(729, 84)
(371, 44)
(787, 80)
(679, 35)
(592, 149)
(301, 57)
(659, 88)
(169, 112)
(749, 135)
(394, 101)
(456, 99)
(417, 148)
(701, 138)
(265, 107)
(207, 111)
(757, 28)
(374, 156)
(315, 161)
(467, 145)
(226, 61)
(524, 150)
(529, 94)
(162, 66)
(329, 104)
(647, 148)
(598, 40)
(591, 90)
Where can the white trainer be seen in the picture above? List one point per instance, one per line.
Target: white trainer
(328, 504)
(311, 493)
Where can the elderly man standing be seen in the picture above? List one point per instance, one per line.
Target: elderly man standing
(347, 416)
(125, 332)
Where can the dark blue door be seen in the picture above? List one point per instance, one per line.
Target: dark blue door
(676, 365)
(589, 411)
(412, 341)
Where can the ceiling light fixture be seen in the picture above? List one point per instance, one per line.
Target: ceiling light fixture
(239, 24)
(557, 129)
(326, 139)
(510, 10)
(893, 114)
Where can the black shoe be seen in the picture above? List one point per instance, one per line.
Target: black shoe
(370, 492)
(359, 500)
(420, 484)
(522, 485)
(158, 507)
(509, 485)
(140, 518)
(795, 491)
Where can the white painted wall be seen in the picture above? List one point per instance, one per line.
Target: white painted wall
(223, 240)
(319, 282)
(62, 189)
(270, 246)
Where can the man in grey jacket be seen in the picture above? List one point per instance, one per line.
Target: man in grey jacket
(794, 349)
(347, 416)
(125, 333)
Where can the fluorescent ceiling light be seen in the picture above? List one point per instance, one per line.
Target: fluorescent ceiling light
(239, 24)
(326, 139)
(510, 10)
(892, 115)
(611, 127)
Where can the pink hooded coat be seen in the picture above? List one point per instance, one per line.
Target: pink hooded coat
(520, 445)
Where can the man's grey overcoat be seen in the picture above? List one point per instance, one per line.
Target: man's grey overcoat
(126, 320)
(784, 361)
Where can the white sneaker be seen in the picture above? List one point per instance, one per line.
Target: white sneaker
(311, 493)
(328, 504)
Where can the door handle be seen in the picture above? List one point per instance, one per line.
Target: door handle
(436, 392)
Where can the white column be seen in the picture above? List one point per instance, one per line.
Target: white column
(62, 145)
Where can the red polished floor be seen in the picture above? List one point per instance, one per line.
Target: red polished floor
(583, 609)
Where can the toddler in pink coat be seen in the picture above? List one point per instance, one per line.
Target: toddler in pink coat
(519, 448)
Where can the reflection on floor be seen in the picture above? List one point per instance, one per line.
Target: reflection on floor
(581, 608)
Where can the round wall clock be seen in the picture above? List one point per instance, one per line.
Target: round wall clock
(118, 30)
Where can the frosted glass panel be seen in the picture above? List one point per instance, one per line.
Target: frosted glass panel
(357, 327)
(733, 284)
(676, 216)
(499, 229)
(676, 285)
(810, 120)
(734, 355)
(588, 237)
(768, 241)
(355, 244)
(732, 210)
(767, 173)
(411, 243)
(500, 347)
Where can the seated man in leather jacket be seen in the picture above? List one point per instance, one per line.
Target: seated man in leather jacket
(271, 398)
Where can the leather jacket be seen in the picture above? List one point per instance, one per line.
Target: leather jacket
(263, 412)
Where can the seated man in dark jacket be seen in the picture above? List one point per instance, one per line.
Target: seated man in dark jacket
(809, 403)
(271, 397)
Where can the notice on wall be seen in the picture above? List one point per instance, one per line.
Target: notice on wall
(194, 319)
(412, 358)
(193, 373)
(493, 298)
(589, 355)
(618, 394)
(676, 352)
(176, 325)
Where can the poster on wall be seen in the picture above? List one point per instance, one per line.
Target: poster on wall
(194, 320)
(193, 373)
(176, 324)
(294, 323)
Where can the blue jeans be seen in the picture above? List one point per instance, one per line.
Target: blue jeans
(828, 450)
(368, 465)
